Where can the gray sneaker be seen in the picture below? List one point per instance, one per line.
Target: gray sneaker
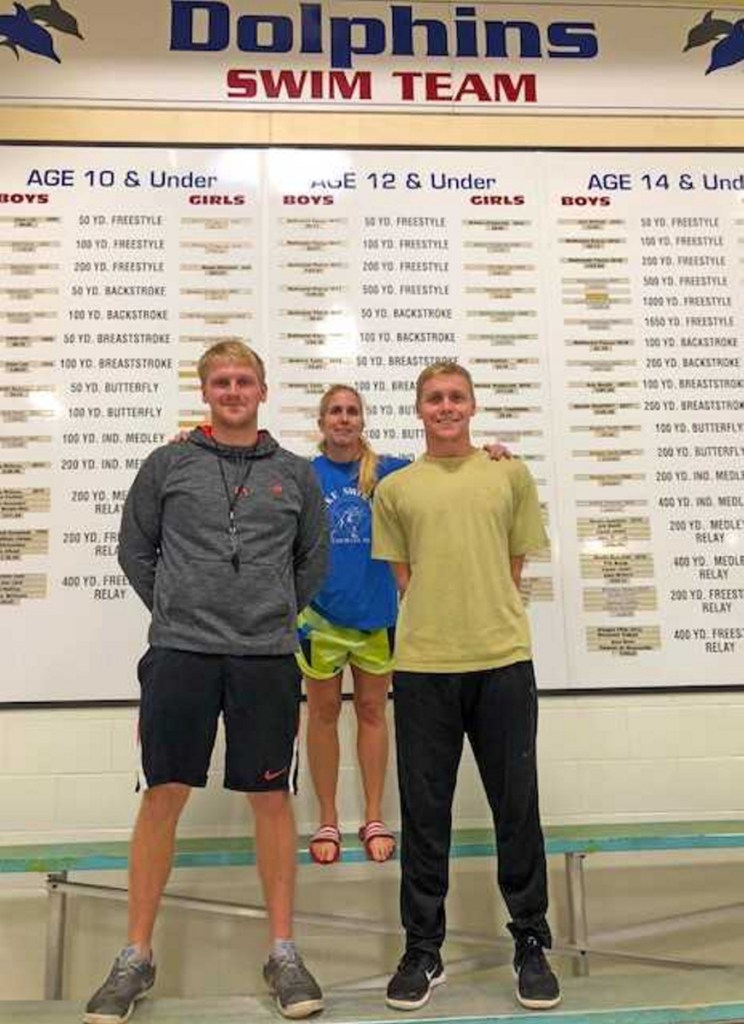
(295, 990)
(130, 979)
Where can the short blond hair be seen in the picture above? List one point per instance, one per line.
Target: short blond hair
(446, 367)
(230, 352)
(369, 460)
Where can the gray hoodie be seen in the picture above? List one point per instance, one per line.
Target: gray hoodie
(208, 590)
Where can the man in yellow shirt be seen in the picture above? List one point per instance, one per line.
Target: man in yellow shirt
(456, 527)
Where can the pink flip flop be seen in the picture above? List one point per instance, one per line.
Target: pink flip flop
(376, 830)
(325, 834)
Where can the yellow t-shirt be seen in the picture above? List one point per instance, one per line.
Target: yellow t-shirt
(457, 522)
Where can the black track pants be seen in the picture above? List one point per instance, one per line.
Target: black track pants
(497, 710)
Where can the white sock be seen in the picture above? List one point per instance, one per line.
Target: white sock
(284, 949)
(140, 952)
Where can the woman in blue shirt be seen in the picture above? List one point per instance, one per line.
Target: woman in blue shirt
(349, 622)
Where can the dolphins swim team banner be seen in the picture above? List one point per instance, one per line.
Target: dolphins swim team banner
(424, 56)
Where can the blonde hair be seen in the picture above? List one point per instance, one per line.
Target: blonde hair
(445, 366)
(369, 458)
(230, 352)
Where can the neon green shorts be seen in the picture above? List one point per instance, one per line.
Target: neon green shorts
(325, 649)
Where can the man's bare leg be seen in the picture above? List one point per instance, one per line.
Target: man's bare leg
(295, 990)
(150, 858)
(276, 852)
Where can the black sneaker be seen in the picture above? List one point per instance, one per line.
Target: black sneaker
(417, 974)
(537, 986)
(295, 990)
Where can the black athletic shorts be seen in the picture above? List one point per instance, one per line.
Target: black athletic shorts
(183, 695)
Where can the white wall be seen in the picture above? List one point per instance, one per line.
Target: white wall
(69, 774)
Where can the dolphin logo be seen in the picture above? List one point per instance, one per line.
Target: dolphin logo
(729, 50)
(54, 16)
(729, 47)
(706, 31)
(28, 28)
(24, 33)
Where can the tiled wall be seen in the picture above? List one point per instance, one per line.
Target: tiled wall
(70, 773)
(671, 756)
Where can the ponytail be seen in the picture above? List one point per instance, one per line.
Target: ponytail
(367, 469)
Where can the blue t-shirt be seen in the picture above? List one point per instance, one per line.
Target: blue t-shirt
(357, 592)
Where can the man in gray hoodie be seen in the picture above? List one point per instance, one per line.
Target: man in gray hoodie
(224, 540)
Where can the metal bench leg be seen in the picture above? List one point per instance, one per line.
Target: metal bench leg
(55, 937)
(578, 930)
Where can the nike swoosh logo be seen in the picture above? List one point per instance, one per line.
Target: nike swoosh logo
(269, 776)
(430, 974)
